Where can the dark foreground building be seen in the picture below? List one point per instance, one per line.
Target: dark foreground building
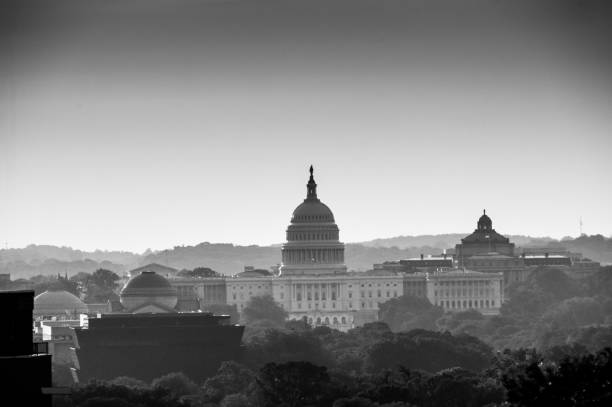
(147, 346)
(25, 366)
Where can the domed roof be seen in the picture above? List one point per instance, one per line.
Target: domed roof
(312, 210)
(147, 279)
(52, 303)
(146, 288)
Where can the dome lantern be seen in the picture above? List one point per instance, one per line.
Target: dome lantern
(485, 223)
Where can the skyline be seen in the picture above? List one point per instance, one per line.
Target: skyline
(280, 241)
(160, 123)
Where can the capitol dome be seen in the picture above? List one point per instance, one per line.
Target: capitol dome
(313, 245)
(312, 210)
(58, 303)
(148, 289)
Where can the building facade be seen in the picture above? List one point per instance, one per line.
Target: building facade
(313, 283)
(460, 290)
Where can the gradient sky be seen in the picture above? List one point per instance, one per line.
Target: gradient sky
(134, 124)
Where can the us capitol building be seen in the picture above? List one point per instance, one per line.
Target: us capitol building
(313, 283)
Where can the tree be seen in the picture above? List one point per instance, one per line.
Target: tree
(292, 384)
(199, 272)
(129, 382)
(101, 286)
(574, 312)
(263, 308)
(280, 347)
(176, 383)
(235, 400)
(409, 312)
(231, 378)
(51, 283)
(460, 387)
(105, 279)
(429, 351)
(581, 381)
(101, 393)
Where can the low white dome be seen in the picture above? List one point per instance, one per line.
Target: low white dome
(58, 303)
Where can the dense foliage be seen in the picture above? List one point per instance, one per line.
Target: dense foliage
(515, 378)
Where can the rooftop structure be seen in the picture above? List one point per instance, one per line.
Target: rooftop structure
(157, 344)
(483, 240)
(25, 366)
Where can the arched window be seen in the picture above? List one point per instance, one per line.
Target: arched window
(343, 319)
(318, 320)
(335, 321)
(326, 320)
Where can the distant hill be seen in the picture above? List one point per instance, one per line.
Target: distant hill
(21, 269)
(46, 259)
(229, 259)
(448, 241)
(224, 258)
(34, 254)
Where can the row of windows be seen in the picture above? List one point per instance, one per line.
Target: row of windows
(251, 287)
(465, 304)
(316, 305)
(376, 285)
(327, 321)
(464, 292)
(370, 304)
(379, 294)
(313, 236)
(314, 217)
(309, 296)
(463, 282)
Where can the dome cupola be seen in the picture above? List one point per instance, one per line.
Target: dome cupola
(485, 223)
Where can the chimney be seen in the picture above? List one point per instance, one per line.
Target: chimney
(422, 256)
(546, 255)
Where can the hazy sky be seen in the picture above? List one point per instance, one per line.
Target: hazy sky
(134, 124)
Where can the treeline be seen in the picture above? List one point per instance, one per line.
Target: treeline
(97, 287)
(418, 368)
